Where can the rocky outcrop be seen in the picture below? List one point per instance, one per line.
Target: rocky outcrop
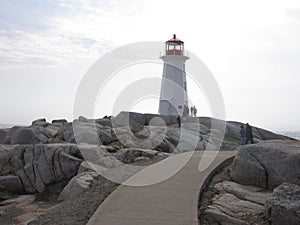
(11, 183)
(85, 132)
(233, 129)
(137, 119)
(104, 122)
(65, 133)
(77, 185)
(237, 204)
(253, 194)
(46, 153)
(267, 164)
(163, 120)
(132, 155)
(256, 171)
(40, 122)
(23, 135)
(229, 208)
(129, 119)
(37, 166)
(59, 121)
(29, 135)
(284, 206)
(164, 139)
(4, 136)
(102, 131)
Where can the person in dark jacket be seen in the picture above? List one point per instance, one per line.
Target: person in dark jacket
(195, 111)
(249, 134)
(243, 134)
(179, 121)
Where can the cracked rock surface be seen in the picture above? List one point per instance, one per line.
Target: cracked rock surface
(260, 187)
(31, 168)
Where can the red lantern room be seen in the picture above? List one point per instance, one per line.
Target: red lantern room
(174, 46)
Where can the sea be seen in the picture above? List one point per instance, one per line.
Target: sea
(292, 134)
(4, 126)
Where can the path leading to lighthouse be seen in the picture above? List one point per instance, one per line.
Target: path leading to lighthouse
(174, 201)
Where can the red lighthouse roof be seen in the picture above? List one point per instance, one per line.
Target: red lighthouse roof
(175, 40)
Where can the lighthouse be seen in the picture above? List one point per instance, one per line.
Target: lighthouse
(173, 95)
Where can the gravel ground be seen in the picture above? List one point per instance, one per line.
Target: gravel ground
(78, 211)
(7, 215)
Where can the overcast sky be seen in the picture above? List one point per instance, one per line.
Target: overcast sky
(251, 47)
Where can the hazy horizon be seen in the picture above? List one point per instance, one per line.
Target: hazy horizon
(251, 47)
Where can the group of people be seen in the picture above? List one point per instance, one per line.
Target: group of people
(186, 111)
(246, 134)
(193, 111)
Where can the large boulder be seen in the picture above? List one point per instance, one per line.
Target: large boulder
(267, 164)
(11, 183)
(284, 207)
(40, 122)
(85, 167)
(4, 136)
(104, 122)
(29, 135)
(217, 217)
(167, 120)
(163, 138)
(131, 154)
(82, 119)
(59, 121)
(97, 157)
(53, 129)
(37, 166)
(233, 210)
(244, 192)
(66, 132)
(129, 119)
(237, 204)
(43, 134)
(23, 135)
(248, 170)
(85, 132)
(77, 185)
(5, 168)
(92, 135)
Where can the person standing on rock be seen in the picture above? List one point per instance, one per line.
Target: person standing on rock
(195, 111)
(243, 134)
(192, 110)
(179, 121)
(249, 135)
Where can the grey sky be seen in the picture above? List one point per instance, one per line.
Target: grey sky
(251, 47)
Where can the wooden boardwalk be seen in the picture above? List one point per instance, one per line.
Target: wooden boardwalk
(171, 202)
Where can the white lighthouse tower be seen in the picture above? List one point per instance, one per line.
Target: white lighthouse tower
(173, 95)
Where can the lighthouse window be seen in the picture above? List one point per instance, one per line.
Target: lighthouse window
(184, 86)
(171, 47)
